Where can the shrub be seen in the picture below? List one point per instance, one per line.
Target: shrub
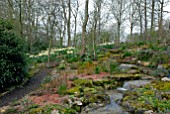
(144, 55)
(160, 58)
(127, 54)
(12, 57)
(61, 66)
(62, 89)
(97, 70)
(113, 67)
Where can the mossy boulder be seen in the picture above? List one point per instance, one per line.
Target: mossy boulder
(122, 77)
(89, 90)
(96, 98)
(83, 83)
(154, 96)
(74, 90)
(161, 85)
(167, 66)
(109, 86)
(101, 82)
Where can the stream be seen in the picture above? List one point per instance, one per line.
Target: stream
(116, 95)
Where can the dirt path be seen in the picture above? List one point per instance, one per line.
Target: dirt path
(33, 84)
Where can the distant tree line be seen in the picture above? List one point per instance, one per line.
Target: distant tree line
(47, 23)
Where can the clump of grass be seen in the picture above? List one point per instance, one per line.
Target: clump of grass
(62, 89)
(144, 55)
(61, 66)
(97, 70)
(127, 54)
(113, 67)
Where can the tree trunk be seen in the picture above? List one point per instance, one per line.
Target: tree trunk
(75, 30)
(11, 10)
(118, 32)
(49, 49)
(20, 18)
(94, 40)
(160, 20)
(68, 23)
(84, 28)
(152, 17)
(140, 20)
(145, 9)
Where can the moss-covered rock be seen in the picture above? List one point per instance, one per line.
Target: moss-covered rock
(161, 85)
(101, 82)
(122, 77)
(154, 96)
(96, 98)
(89, 90)
(83, 82)
(74, 90)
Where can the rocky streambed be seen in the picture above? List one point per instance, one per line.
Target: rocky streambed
(116, 96)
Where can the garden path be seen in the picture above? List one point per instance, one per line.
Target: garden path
(33, 84)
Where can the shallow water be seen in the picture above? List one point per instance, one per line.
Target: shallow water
(113, 107)
(115, 95)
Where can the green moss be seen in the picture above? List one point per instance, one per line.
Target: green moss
(98, 82)
(126, 98)
(149, 92)
(109, 86)
(126, 76)
(74, 90)
(36, 110)
(89, 90)
(83, 82)
(48, 108)
(165, 86)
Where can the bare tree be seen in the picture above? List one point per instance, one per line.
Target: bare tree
(118, 9)
(84, 27)
(75, 10)
(132, 14)
(51, 10)
(67, 19)
(152, 16)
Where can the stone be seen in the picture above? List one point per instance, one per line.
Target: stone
(143, 63)
(130, 85)
(133, 71)
(147, 77)
(165, 79)
(148, 112)
(160, 67)
(83, 82)
(122, 77)
(79, 103)
(121, 89)
(55, 112)
(74, 90)
(127, 66)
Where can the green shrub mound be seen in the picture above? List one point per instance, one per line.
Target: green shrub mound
(12, 58)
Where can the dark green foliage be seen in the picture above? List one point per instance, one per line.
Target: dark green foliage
(62, 89)
(107, 46)
(113, 67)
(155, 47)
(140, 43)
(127, 54)
(72, 57)
(161, 58)
(12, 57)
(144, 55)
(97, 70)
